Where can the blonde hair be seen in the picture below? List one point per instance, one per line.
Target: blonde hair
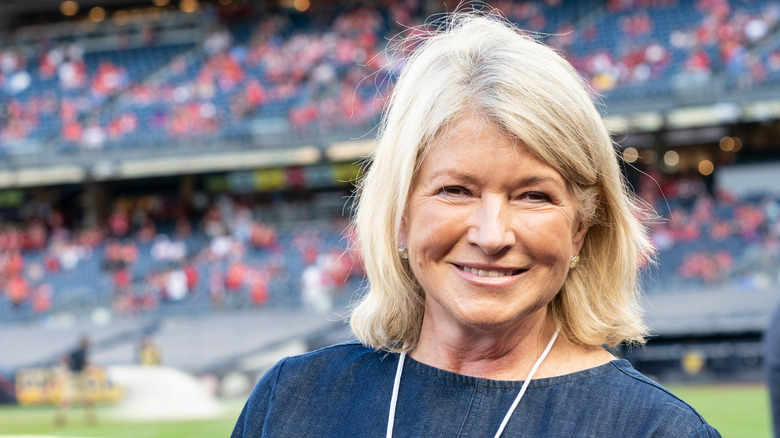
(479, 64)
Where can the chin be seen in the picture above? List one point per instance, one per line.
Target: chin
(489, 320)
(499, 315)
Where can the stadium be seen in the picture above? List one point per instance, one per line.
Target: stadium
(182, 173)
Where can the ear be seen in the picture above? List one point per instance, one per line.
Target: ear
(403, 232)
(578, 236)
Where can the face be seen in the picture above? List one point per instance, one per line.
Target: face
(489, 228)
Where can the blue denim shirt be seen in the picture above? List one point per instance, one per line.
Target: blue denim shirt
(345, 391)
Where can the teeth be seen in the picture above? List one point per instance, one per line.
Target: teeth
(487, 273)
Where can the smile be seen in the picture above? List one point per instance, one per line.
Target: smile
(489, 272)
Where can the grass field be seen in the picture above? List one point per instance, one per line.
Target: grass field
(19, 421)
(737, 411)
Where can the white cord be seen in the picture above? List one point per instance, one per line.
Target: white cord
(394, 400)
(400, 369)
(525, 384)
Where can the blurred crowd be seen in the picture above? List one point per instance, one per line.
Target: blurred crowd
(322, 78)
(148, 258)
(322, 74)
(317, 78)
(712, 240)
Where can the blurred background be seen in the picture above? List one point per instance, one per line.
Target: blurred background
(176, 181)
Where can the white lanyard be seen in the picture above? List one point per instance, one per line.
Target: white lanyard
(400, 369)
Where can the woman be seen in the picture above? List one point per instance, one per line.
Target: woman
(502, 251)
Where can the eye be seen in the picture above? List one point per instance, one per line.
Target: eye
(536, 196)
(453, 191)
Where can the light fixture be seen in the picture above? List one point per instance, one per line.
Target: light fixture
(706, 167)
(671, 158)
(69, 8)
(97, 14)
(630, 155)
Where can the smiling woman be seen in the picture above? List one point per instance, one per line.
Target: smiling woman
(502, 249)
(490, 231)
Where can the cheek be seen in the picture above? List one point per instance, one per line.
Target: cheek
(430, 241)
(432, 233)
(548, 238)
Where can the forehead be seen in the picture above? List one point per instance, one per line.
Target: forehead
(471, 127)
(476, 144)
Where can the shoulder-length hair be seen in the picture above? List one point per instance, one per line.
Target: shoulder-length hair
(479, 64)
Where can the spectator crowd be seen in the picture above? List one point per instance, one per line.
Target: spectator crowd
(322, 73)
(147, 258)
(328, 78)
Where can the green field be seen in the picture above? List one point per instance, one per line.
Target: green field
(40, 421)
(737, 411)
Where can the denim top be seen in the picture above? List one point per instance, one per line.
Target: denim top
(345, 391)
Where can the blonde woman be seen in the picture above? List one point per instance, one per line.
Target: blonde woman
(502, 250)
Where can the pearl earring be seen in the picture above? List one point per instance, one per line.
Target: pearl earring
(573, 262)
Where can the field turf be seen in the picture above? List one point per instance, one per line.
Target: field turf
(735, 410)
(39, 421)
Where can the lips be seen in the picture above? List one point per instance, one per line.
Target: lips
(490, 272)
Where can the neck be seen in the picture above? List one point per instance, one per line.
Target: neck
(500, 353)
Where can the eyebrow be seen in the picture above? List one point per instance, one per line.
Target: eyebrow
(521, 182)
(538, 179)
(453, 173)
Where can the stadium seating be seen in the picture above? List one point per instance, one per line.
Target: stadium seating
(330, 80)
(717, 243)
(227, 80)
(245, 264)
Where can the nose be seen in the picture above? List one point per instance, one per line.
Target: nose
(491, 225)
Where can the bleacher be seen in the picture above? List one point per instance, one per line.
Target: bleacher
(227, 82)
(716, 243)
(223, 80)
(132, 275)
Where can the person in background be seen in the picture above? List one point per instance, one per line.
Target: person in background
(76, 383)
(149, 353)
(502, 250)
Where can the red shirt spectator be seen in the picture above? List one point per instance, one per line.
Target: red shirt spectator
(122, 279)
(258, 293)
(235, 277)
(17, 290)
(119, 223)
(255, 93)
(72, 131)
(41, 300)
(14, 264)
(192, 275)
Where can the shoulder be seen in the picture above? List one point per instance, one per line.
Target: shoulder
(614, 399)
(341, 367)
(300, 391)
(653, 406)
(635, 382)
(335, 359)
(345, 351)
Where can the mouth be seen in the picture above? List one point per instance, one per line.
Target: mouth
(490, 272)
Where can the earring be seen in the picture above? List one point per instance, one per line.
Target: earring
(573, 262)
(402, 251)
